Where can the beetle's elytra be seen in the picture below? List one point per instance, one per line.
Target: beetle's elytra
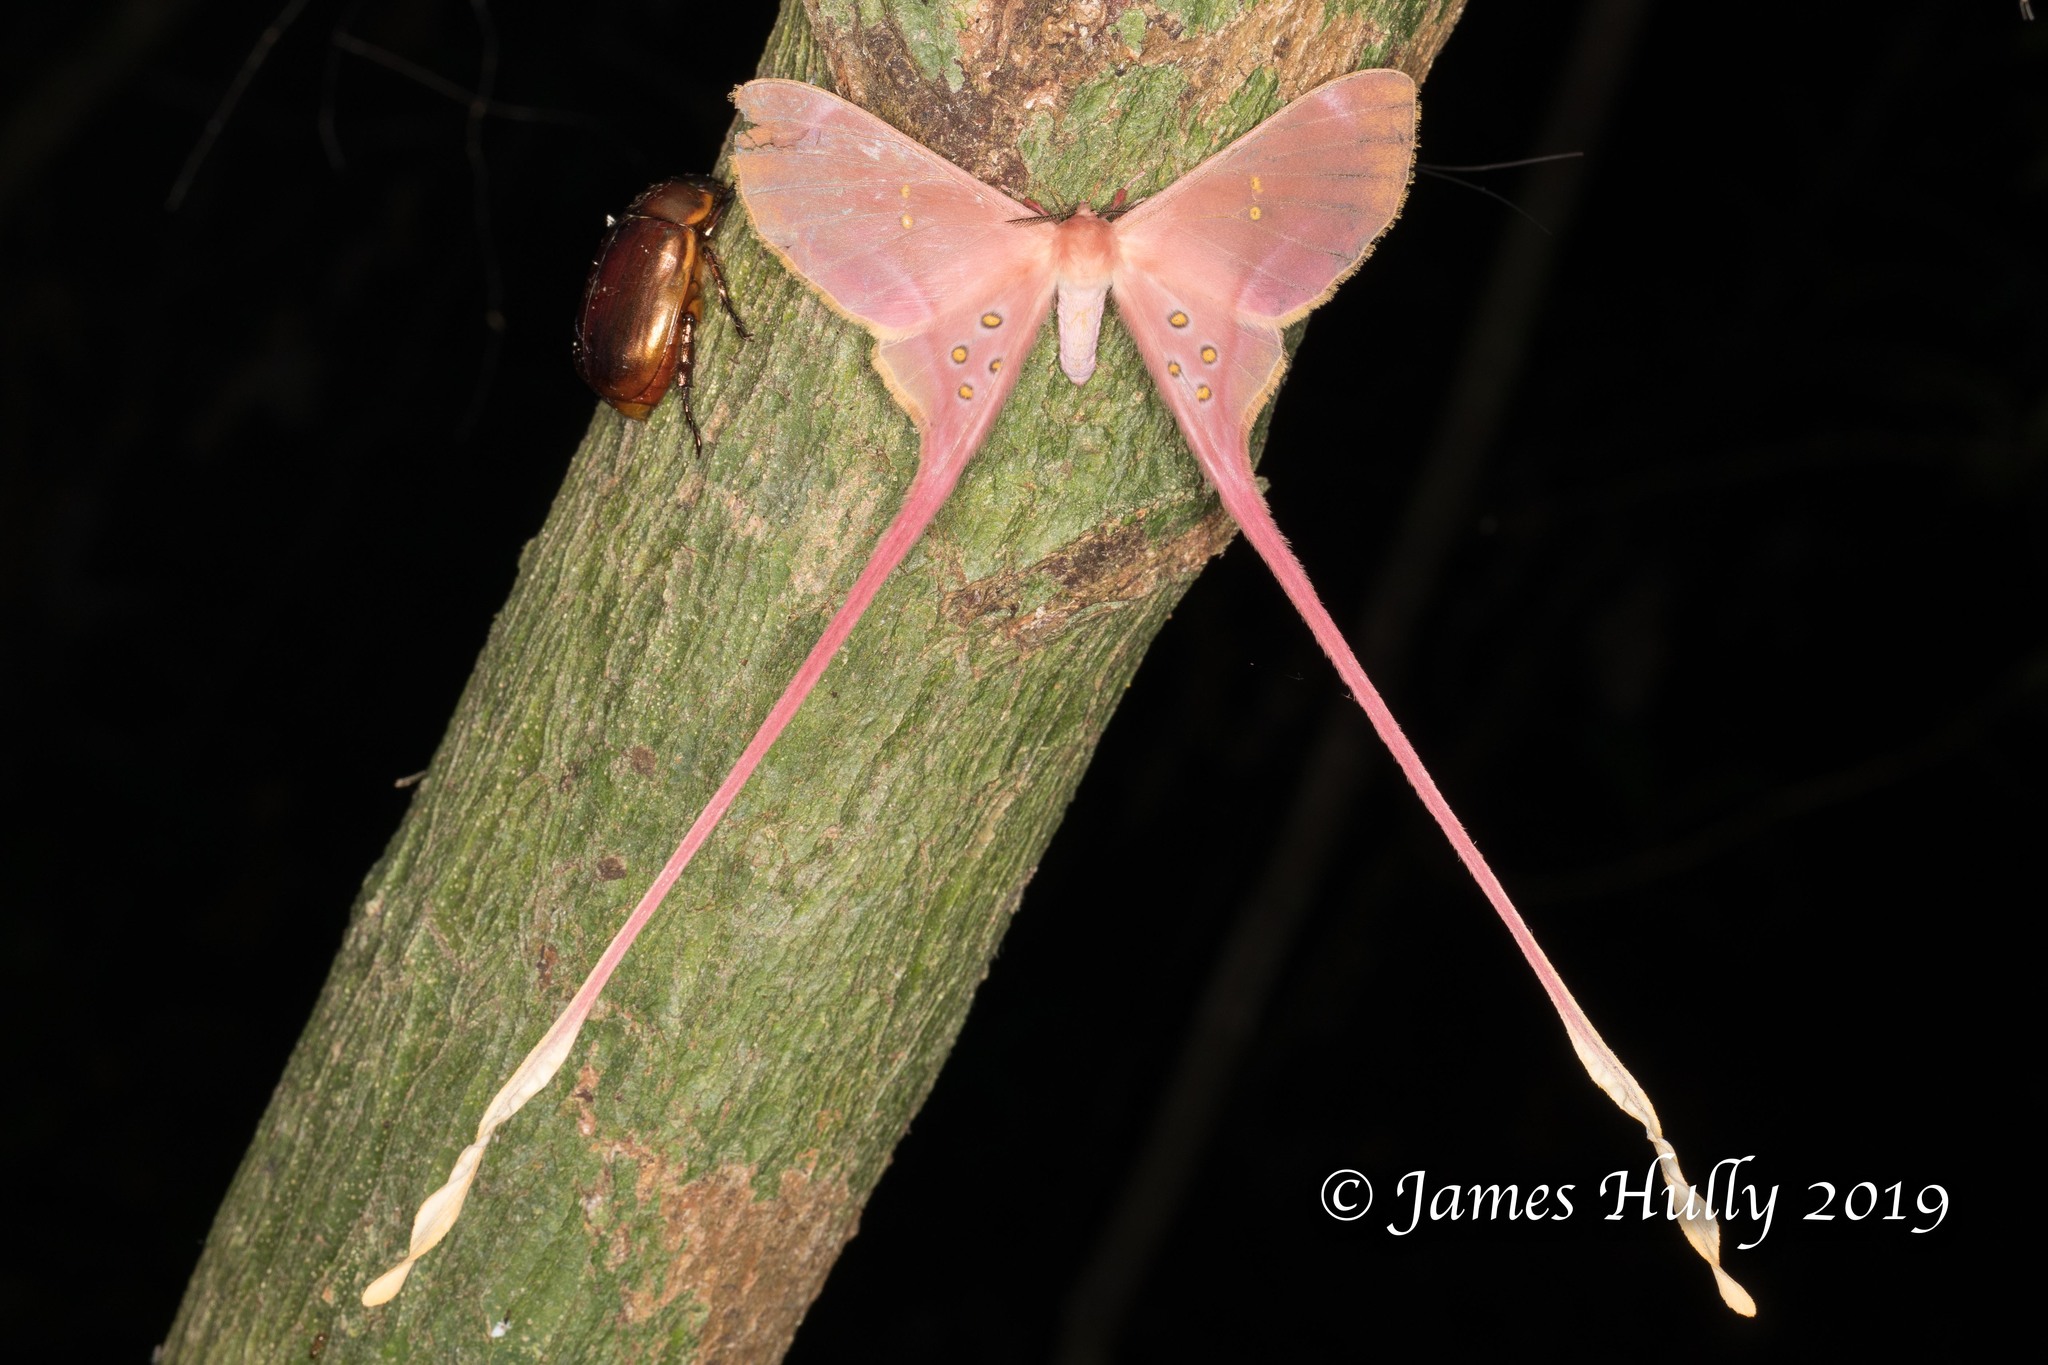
(636, 335)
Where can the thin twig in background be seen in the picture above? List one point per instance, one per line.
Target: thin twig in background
(223, 111)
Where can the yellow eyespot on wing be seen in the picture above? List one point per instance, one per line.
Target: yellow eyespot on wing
(1208, 355)
(967, 390)
(995, 366)
(1202, 392)
(991, 319)
(959, 355)
(1173, 368)
(1178, 319)
(1255, 213)
(906, 220)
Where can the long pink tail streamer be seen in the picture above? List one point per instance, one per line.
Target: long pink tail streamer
(1231, 475)
(1230, 472)
(935, 477)
(942, 268)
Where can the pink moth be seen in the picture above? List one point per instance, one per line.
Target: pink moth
(955, 279)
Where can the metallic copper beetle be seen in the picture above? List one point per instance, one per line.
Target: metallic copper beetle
(637, 333)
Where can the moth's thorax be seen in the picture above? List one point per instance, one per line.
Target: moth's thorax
(1084, 257)
(1084, 250)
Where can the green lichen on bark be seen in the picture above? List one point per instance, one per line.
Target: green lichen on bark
(681, 1189)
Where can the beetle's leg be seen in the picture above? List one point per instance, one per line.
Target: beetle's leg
(724, 298)
(686, 370)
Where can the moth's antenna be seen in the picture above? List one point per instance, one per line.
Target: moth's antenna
(1121, 203)
(1117, 207)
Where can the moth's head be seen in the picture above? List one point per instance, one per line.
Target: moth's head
(1084, 249)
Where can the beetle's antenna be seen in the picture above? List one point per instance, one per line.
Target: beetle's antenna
(1434, 167)
(1517, 209)
(1440, 172)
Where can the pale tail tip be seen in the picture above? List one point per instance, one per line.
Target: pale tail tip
(385, 1287)
(1732, 1294)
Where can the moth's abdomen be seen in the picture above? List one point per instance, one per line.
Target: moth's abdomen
(1084, 258)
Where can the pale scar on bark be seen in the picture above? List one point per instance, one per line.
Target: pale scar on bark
(1114, 565)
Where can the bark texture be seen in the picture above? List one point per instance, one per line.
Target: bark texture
(681, 1190)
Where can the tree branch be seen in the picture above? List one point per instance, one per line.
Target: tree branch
(682, 1189)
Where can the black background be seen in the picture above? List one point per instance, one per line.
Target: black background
(1734, 665)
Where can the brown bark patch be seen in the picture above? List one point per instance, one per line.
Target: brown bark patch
(748, 1266)
(1290, 39)
(1419, 53)
(1017, 57)
(1102, 568)
(1013, 58)
(1304, 43)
